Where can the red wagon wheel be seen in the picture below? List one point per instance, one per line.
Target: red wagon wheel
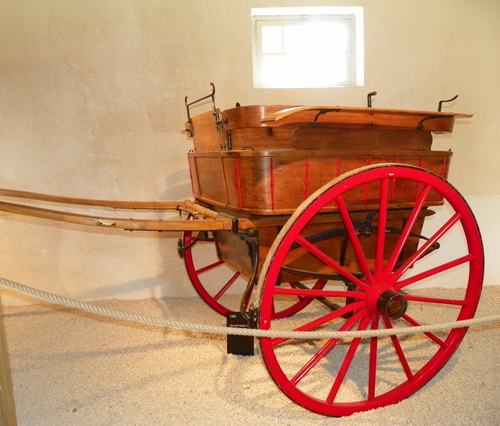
(219, 285)
(389, 269)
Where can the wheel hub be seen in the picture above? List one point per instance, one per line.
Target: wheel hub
(387, 302)
(392, 304)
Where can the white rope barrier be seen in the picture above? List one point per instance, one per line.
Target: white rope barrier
(88, 307)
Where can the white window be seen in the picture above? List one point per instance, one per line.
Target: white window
(307, 47)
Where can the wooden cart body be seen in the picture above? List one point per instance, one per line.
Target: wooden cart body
(261, 162)
(266, 160)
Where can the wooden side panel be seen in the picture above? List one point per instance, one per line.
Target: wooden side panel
(267, 183)
(211, 179)
(262, 138)
(193, 171)
(236, 252)
(250, 190)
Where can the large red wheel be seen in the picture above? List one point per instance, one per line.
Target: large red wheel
(391, 267)
(220, 286)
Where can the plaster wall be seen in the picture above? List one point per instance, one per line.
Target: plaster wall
(92, 105)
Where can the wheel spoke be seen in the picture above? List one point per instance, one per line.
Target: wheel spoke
(372, 368)
(407, 229)
(353, 237)
(300, 292)
(382, 221)
(428, 244)
(433, 271)
(315, 251)
(300, 301)
(353, 347)
(399, 351)
(226, 286)
(431, 336)
(209, 267)
(325, 349)
(435, 300)
(318, 322)
(297, 291)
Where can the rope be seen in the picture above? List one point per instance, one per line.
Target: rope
(83, 306)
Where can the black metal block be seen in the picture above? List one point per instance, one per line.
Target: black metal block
(239, 345)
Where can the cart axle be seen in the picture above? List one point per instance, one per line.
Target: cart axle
(392, 304)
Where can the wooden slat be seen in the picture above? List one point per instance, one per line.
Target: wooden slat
(118, 223)
(208, 220)
(115, 204)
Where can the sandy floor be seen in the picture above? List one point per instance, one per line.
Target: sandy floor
(74, 368)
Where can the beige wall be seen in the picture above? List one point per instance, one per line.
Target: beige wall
(92, 105)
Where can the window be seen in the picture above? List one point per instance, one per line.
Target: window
(307, 47)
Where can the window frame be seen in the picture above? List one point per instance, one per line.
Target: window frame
(353, 16)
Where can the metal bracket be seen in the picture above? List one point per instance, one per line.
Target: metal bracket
(251, 236)
(440, 105)
(369, 98)
(216, 112)
(315, 122)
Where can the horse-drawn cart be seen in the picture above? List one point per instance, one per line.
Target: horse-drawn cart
(334, 218)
